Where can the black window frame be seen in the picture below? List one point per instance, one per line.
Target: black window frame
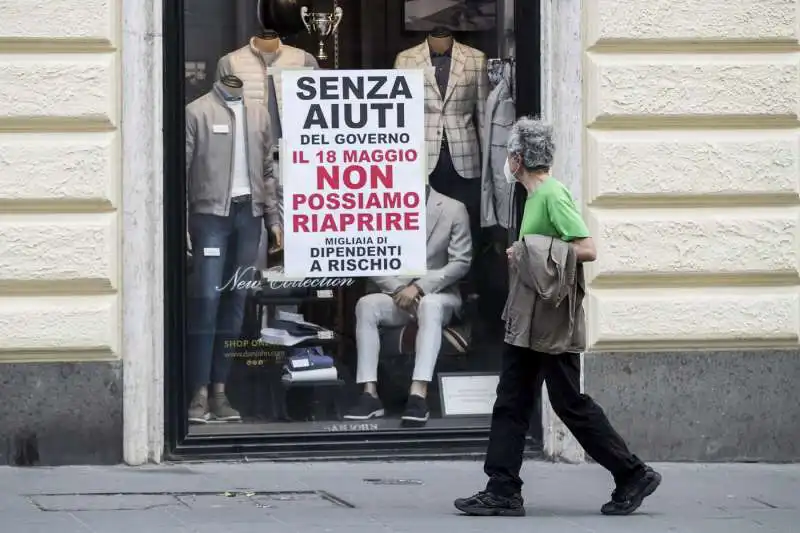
(400, 443)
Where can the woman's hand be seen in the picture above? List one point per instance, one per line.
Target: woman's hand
(512, 261)
(585, 250)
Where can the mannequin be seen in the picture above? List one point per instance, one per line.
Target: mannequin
(267, 41)
(266, 53)
(456, 88)
(230, 188)
(440, 40)
(258, 64)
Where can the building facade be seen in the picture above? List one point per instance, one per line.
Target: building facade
(677, 130)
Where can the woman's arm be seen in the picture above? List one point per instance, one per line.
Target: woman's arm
(585, 250)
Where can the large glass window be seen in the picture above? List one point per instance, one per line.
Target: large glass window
(269, 352)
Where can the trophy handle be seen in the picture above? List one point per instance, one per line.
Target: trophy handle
(303, 16)
(337, 17)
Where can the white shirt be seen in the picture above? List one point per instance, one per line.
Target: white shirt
(241, 174)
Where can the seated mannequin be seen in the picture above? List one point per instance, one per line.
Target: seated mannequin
(431, 301)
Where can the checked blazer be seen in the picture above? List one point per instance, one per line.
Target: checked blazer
(460, 111)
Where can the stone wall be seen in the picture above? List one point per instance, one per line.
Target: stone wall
(690, 182)
(60, 168)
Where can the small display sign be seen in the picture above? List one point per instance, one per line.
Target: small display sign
(468, 394)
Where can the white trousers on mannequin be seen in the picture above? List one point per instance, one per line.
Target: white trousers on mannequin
(375, 310)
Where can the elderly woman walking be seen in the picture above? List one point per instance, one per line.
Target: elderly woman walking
(545, 334)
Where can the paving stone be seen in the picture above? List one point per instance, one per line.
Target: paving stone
(102, 502)
(559, 499)
(127, 521)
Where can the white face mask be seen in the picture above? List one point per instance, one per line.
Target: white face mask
(509, 175)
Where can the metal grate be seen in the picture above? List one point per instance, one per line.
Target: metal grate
(141, 501)
(391, 481)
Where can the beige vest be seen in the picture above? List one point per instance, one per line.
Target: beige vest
(247, 63)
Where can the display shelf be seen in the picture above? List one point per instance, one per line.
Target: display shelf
(264, 299)
(390, 423)
(310, 343)
(329, 291)
(311, 384)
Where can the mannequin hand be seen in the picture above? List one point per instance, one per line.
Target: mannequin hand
(406, 299)
(277, 234)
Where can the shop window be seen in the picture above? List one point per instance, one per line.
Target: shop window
(270, 353)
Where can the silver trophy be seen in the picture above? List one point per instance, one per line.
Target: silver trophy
(323, 24)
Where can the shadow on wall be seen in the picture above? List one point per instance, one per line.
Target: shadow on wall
(23, 449)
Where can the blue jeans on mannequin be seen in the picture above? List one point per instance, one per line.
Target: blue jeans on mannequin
(224, 247)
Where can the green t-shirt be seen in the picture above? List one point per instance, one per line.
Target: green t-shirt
(551, 211)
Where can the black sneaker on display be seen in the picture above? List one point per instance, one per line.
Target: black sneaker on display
(486, 503)
(368, 406)
(627, 497)
(416, 413)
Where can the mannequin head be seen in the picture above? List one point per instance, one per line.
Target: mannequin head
(231, 86)
(232, 82)
(440, 39)
(440, 31)
(268, 35)
(281, 17)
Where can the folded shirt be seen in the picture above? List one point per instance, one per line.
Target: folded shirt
(319, 374)
(294, 329)
(304, 360)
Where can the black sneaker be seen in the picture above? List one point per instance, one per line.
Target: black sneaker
(486, 503)
(368, 406)
(416, 413)
(627, 497)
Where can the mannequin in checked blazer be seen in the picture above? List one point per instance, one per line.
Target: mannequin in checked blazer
(455, 99)
(456, 112)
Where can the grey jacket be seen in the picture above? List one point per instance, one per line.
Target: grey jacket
(544, 309)
(449, 248)
(210, 137)
(496, 192)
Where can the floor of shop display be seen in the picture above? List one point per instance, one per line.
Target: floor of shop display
(329, 426)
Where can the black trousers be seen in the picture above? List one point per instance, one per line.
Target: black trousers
(520, 385)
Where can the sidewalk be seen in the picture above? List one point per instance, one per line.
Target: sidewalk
(384, 497)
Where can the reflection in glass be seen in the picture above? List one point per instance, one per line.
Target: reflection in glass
(269, 354)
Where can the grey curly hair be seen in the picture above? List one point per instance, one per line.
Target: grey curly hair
(532, 140)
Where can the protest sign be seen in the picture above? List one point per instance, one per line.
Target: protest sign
(353, 170)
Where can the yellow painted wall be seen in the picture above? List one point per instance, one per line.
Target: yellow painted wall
(691, 172)
(59, 180)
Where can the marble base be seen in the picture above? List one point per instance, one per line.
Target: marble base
(60, 413)
(701, 406)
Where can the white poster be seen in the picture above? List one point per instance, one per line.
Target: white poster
(468, 394)
(354, 172)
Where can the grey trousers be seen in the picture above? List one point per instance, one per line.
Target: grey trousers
(375, 310)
